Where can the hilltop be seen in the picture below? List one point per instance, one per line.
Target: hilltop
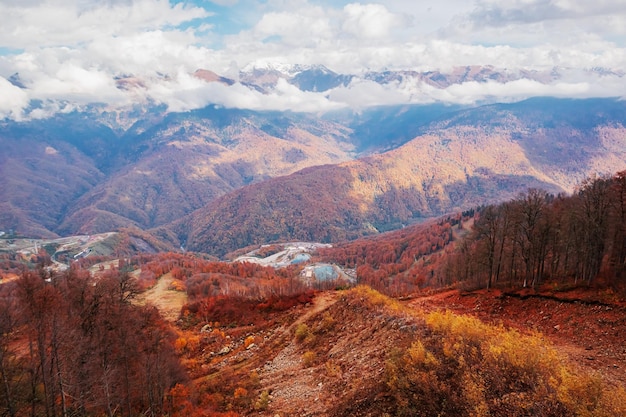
(360, 353)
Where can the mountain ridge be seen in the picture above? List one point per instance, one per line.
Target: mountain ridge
(300, 176)
(451, 167)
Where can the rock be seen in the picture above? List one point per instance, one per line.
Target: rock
(251, 346)
(225, 350)
(557, 327)
(206, 329)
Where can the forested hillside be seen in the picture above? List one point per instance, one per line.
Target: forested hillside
(540, 237)
(537, 237)
(245, 338)
(469, 158)
(260, 176)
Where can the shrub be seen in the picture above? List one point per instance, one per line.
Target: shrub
(326, 324)
(375, 299)
(308, 359)
(302, 332)
(249, 340)
(263, 401)
(333, 369)
(466, 367)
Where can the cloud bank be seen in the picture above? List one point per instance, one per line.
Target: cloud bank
(64, 54)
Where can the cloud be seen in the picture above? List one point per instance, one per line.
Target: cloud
(531, 22)
(498, 13)
(187, 92)
(12, 100)
(74, 23)
(360, 94)
(70, 53)
(296, 29)
(369, 21)
(228, 3)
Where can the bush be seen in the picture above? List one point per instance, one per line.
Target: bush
(466, 367)
(249, 340)
(302, 332)
(308, 359)
(263, 401)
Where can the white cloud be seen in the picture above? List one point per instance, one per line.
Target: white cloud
(369, 21)
(12, 100)
(360, 94)
(73, 50)
(70, 23)
(296, 29)
(532, 22)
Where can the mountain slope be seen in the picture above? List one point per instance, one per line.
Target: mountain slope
(78, 173)
(479, 156)
(40, 177)
(97, 171)
(190, 159)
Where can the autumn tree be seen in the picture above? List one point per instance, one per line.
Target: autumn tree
(539, 236)
(10, 368)
(531, 233)
(595, 199)
(618, 247)
(89, 350)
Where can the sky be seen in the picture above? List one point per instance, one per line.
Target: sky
(68, 53)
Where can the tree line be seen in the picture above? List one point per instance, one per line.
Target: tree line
(75, 345)
(399, 262)
(580, 238)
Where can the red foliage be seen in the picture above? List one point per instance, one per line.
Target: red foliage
(235, 310)
(395, 262)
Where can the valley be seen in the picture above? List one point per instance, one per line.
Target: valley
(259, 336)
(225, 208)
(66, 249)
(413, 260)
(262, 177)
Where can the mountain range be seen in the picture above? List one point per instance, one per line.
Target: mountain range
(216, 179)
(470, 158)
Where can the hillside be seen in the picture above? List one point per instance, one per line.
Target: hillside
(189, 160)
(71, 174)
(39, 180)
(358, 353)
(186, 336)
(256, 177)
(475, 157)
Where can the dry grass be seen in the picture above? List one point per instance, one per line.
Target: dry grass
(168, 301)
(467, 367)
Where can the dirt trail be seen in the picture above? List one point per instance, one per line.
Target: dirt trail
(320, 303)
(284, 375)
(168, 302)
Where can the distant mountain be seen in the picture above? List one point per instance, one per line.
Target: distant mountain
(189, 159)
(459, 75)
(85, 173)
(473, 157)
(215, 179)
(319, 78)
(44, 167)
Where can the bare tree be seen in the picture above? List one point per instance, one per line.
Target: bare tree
(532, 232)
(595, 198)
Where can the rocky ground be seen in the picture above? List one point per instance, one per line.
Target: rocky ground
(329, 357)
